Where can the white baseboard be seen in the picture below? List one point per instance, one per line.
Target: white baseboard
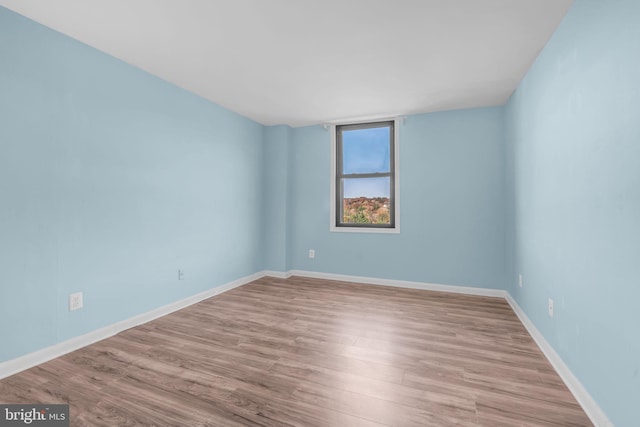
(591, 408)
(276, 274)
(30, 360)
(486, 292)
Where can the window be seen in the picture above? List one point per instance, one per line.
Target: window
(364, 180)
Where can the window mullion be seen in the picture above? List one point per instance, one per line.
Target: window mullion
(366, 175)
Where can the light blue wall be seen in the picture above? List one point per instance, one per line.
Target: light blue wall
(451, 205)
(277, 146)
(573, 137)
(111, 180)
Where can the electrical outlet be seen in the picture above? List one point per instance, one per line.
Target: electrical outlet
(312, 253)
(75, 301)
(520, 280)
(550, 307)
(180, 274)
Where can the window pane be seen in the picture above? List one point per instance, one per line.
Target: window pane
(366, 201)
(366, 150)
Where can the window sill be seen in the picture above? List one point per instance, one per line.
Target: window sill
(365, 230)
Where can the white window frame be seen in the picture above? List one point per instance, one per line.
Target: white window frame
(396, 152)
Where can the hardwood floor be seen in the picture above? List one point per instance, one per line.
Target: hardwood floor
(308, 352)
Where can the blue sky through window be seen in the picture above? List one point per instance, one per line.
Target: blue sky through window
(366, 151)
(366, 187)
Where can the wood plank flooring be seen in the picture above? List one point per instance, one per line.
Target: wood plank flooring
(308, 352)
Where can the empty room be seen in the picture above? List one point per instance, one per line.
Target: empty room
(320, 213)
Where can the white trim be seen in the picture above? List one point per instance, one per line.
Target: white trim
(487, 292)
(374, 230)
(332, 196)
(276, 274)
(30, 360)
(589, 405)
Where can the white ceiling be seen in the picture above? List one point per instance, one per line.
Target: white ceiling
(301, 62)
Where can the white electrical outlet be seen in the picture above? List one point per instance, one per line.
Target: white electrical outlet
(75, 301)
(550, 307)
(520, 280)
(180, 274)
(312, 253)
